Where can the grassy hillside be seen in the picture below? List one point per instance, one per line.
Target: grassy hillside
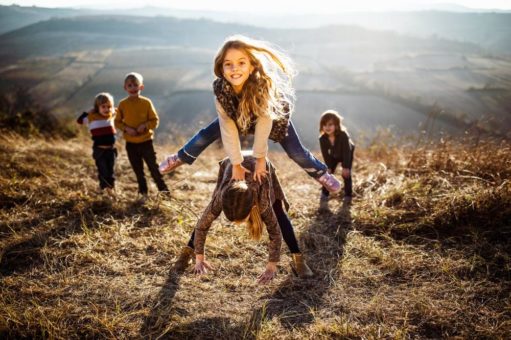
(423, 251)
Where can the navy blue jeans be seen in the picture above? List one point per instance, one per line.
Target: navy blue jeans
(105, 161)
(291, 145)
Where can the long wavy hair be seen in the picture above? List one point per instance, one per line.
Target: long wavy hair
(102, 98)
(238, 202)
(268, 90)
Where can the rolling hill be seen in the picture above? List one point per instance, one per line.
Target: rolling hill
(375, 78)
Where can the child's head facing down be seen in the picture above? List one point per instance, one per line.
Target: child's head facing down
(239, 205)
(330, 123)
(104, 103)
(258, 73)
(133, 84)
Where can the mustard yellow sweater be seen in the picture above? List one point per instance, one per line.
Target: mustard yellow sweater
(135, 111)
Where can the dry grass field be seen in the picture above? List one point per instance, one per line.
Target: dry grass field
(422, 252)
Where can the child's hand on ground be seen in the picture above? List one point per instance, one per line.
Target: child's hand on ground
(345, 172)
(130, 131)
(142, 128)
(260, 169)
(268, 274)
(201, 265)
(238, 172)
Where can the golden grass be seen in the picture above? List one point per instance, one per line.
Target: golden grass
(423, 251)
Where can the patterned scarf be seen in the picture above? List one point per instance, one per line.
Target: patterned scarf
(227, 98)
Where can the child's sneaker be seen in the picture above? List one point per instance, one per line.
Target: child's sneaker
(169, 164)
(330, 183)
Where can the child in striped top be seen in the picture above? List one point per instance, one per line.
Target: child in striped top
(100, 121)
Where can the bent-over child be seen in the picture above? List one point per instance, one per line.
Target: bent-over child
(254, 203)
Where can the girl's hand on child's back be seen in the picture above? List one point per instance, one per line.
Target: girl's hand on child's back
(260, 169)
(345, 172)
(268, 274)
(238, 172)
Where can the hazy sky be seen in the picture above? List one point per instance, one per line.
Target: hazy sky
(269, 6)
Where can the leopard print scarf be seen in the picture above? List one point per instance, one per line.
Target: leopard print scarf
(227, 98)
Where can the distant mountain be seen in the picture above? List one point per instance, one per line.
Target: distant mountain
(452, 7)
(376, 78)
(60, 35)
(487, 28)
(14, 17)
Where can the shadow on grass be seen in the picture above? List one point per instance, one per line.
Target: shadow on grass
(292, 301)
(207, 328)
(156, 323)
(295, 299)
(19, 257)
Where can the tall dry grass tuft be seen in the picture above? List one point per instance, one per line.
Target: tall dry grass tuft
(422, 252)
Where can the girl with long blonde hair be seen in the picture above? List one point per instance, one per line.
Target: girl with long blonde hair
(254, 95)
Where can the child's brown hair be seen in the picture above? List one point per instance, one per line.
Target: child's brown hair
(331, 115)
(238, 202)
(102, 98)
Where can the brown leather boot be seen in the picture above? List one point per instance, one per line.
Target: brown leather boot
(184, 259)
(300, 267)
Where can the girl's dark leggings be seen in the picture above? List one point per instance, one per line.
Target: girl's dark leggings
(288, 234)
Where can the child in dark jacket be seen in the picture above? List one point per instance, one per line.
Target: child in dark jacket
(336, 147)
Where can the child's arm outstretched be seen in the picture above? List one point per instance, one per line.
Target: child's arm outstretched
(231, 142)
(272, 226)
(212, 211)
(82, 119)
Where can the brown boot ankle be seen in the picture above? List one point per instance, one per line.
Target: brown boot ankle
(300, 267)
(184, 259)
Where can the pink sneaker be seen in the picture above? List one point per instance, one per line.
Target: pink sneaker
(330, 183)
(169, 164)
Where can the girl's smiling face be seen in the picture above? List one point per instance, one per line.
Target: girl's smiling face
(329, 128)
(237, 68)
